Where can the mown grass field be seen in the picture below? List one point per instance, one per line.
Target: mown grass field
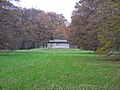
(57, 69)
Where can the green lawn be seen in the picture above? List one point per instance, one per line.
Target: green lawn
(57, 69)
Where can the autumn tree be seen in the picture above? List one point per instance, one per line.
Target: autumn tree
(95, 25)
(8, 19)
(84, 33)
(109, 27)
(22, 28)
(38, 27)
(59, 25)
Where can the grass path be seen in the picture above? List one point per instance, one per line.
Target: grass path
(57, 69)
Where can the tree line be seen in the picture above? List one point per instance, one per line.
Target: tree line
(22, 28)
(95, 25)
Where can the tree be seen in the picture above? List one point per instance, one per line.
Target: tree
(96, 25)
(59, 25)
(22, 28)
(38, 27)
(109, 27)
(84, 33)
(7, 25)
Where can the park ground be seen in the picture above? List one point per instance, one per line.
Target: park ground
(57, 69)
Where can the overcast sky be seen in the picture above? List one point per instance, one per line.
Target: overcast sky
(64, 7)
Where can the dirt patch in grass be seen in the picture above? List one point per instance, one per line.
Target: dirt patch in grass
(112, 58)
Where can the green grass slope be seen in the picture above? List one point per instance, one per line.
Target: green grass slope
(57, 69)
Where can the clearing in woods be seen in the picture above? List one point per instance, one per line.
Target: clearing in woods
(53, 69)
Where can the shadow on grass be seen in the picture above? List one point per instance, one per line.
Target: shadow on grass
(111, 58)
(7, 54)
(0, 87)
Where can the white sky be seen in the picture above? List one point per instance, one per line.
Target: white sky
(64, 7)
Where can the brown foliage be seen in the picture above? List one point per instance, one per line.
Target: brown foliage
(22, 28)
